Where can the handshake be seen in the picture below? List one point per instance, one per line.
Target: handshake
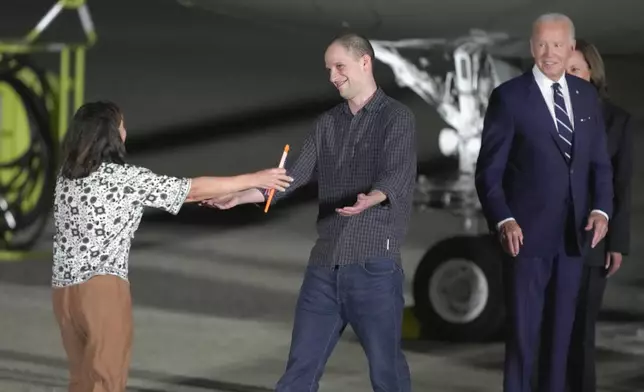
(250, 188)
(255, 187)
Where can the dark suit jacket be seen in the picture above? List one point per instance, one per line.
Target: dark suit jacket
(619, 128)
(522, 173)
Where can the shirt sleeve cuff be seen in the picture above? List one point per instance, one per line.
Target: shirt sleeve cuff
(498, 225)
(389, 194)
(601, 212)
(182, 195)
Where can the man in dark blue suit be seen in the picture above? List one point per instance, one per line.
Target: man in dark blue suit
(544, 180)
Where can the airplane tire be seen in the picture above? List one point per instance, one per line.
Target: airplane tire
(458, 290)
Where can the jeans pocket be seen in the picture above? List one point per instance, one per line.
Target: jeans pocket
(380, 266)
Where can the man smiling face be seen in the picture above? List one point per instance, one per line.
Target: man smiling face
(348, 71)
(552, 44)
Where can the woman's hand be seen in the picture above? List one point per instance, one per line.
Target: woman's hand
(223, 203)
(272, 179)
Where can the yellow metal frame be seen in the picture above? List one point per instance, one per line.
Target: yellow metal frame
(28, 44)
(67, 83)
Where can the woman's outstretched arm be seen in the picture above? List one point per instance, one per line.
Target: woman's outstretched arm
(203, 188)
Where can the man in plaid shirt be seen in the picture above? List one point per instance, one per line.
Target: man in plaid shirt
(363, 155)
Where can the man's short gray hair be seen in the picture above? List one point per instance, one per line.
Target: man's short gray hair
(555, 17)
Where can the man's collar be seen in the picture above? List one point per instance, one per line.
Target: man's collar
(372, 104)
(543, 81)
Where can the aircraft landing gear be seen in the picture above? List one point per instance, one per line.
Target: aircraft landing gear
(26, 153)
(458, 290)
(34, 113)
(458, 284)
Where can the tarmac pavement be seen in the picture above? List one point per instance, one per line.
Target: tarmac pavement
(214, 294)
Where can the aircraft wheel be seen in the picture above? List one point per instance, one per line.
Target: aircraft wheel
(458, 290)
(27, 160)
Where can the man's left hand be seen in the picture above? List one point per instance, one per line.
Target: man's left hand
(363, 202)
(599, 224)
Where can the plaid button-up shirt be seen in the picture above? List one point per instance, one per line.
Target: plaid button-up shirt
(375, 149)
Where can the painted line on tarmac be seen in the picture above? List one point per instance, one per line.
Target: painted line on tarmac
(622, 338)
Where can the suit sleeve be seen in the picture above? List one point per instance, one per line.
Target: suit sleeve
(618, 237)
(496, 141)
(397, 172)
(601, 168)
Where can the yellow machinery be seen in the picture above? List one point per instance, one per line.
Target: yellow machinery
(35, 109)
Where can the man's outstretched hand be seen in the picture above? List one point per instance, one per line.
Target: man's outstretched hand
(363, 202)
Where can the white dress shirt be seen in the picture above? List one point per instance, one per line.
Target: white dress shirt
(545, 86)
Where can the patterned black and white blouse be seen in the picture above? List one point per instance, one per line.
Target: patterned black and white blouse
(95, 218)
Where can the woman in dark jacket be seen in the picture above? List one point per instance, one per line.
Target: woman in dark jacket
(606, 258)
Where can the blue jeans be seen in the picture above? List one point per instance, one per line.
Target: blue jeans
(369, 297)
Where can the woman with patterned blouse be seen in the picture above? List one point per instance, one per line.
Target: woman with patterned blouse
(99, 202)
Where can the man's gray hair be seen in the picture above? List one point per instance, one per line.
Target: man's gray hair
(556, 17)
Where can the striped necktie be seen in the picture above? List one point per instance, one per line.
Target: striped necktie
(564, 127)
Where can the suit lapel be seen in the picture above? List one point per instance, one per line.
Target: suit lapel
(537, 102)
(575, 102)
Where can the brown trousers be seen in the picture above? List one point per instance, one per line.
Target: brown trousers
(95, 320)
